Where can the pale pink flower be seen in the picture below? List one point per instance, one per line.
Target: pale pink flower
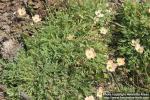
(103, 30)
(89, 98)
(90, 53)
(21, 12)
(111, 66)
(100, 92)
(134, 42)
(120, 61)
(36, 18)
(139, 48)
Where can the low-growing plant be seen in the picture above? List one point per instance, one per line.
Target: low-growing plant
(130, 40)
(64, 60)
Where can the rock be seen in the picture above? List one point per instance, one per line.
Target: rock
(9, 49)
(24, 96)
(2, 92)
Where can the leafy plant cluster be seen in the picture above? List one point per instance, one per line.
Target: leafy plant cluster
(54, 65)
(131, 39)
